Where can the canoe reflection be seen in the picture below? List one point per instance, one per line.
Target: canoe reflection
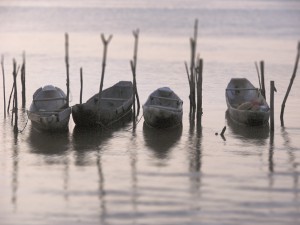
(161, 140)
(248, 132)
(85, 139)
(91, 138)
(48, 143)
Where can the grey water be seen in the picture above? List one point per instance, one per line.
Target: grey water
(186, 175)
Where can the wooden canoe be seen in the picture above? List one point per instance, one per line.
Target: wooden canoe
(115, 103)
(163, 109)
(245, 103)
(48, 110)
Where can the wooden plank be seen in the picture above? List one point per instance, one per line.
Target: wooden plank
(48, 99)
(240, 89)
(170, 99)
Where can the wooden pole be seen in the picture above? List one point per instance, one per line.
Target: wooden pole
(136, 39)
(15, 96)
(262, 73)
(67, 66)
(290, 85)
(23, 81)
(193, 44)
(105, 44)
(199, 72)
(3, 76)
(192, 88)
(10, 96)
(12, 115)
(258, 75)
(272, 90)
(11, 93)
(81, 84)
(135, 94)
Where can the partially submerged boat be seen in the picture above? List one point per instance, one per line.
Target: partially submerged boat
(163, 109)
(115, 103)
(245, 103)
(49, 109)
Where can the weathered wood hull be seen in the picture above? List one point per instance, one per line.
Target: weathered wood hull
(160, 117)
(88, 116)
(115, 103)
(50, 121)
(163, 110)
(49, 111)
(241, 93)
(248, 118)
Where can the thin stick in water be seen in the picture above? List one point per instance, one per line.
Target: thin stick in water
(272, 90)
(3, 75)
(258, 75)
(199, 74)
(290, 85)
(23, 81)
(67, 66)
(223, 131)
(105, 44)
(133, 96)
(15, 96)
(262, 74)
(12, 90)
(81, 84)
(136, 95)
(193, 44)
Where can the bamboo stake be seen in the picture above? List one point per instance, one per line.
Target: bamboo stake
(188, 73)
(272, 90)
(3, 75)
(258, 75)
(290, 85)
(11, 92)
(10, 96)
(105, 44)
(136, 95)
(67, 66)
(133, 96)
(15, 96)
(12, 115)
(136, 39)
(262, 74)
(191, 75)
(199, 73)
(23, 81)
(81, 84)
(192, 68)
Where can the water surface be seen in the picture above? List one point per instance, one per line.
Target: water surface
(186, 175)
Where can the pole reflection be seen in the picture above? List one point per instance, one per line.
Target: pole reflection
(195, 165)
(15, 166)
(293, 162)
(66, 176)
(134, 178)
(271, 162)
(101, 189)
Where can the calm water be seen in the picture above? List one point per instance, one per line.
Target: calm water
(180, 176)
